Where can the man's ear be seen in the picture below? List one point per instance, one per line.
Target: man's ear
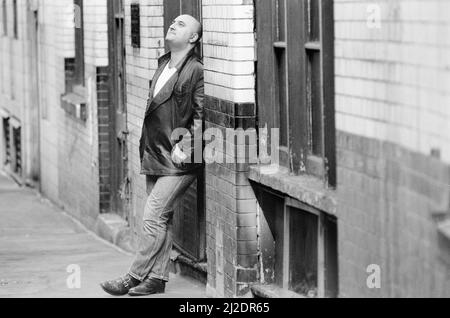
(194, 38)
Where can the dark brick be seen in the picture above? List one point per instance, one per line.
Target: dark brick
(245, 109)
(247, 219)
(247, 234)
(246, 275)
(247, 261)
(243, 122)
(247, 247)
(212, 103)
(227, 107)
(103, 95)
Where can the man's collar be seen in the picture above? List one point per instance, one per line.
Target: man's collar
(166, 58)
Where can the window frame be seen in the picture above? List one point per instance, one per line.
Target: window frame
(280, 227)
(297, 155)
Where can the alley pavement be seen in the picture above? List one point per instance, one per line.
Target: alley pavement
(44, 253)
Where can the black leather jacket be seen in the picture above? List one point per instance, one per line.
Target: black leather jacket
(179, 104)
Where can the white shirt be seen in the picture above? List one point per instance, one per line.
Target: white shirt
(164, 78)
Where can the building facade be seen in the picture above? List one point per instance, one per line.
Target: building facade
(340, 187)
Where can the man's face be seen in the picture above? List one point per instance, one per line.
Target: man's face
(182, 31)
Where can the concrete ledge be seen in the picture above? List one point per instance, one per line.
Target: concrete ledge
(306, 189)
(115, 230)
(444, 228)
(272, 291)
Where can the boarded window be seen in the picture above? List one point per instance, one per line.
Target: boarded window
(303, 249)
(298, 245)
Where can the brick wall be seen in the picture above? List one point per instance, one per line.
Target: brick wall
(55, 42)
(104, 140)
(230, 103)
(69, 148)
(96, 32)
(83, 155)
(13, 70)
(393, 145)
(393, 137)
(387, 197)
(20, 63)
(392, 82)
(141, 64)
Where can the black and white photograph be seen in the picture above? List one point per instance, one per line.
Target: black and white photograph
(246, 150)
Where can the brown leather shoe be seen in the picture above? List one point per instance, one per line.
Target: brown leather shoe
(120, 286)
(150, 286)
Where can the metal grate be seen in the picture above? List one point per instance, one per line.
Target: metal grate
(7, 138)
(18, 150)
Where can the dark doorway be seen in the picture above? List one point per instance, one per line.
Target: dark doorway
(35, 113)
(118, 113)
(189, 220)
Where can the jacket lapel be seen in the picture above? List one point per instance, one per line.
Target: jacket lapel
(164, 94)
(167, 90)
(157, 75)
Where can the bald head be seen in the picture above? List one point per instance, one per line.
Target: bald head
(196, 26)
(184, 31)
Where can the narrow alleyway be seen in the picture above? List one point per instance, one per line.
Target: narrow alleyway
(38, 243)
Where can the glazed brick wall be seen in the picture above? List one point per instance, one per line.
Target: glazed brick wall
(78, 156)
(83, 154)
(387, 199)
(232, 247)
(229, 46)
(13, 62)
(141, 64)
(391, 85)
(96, 32)
(392, 81)
(13, 75)
(55, 44)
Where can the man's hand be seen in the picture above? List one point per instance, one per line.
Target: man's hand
(178, 156)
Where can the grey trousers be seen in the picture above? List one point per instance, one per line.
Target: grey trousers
(153, 257)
